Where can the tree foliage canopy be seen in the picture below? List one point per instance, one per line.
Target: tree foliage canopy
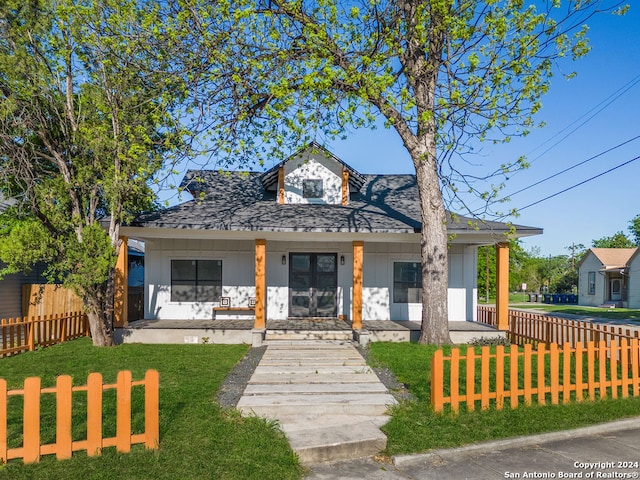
(87, 89)
(281, 73)
(617, 240)
(273, 74)
(634, 228)
(85, 122)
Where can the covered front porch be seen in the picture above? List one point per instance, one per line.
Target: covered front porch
(261, 276)
(242, 331)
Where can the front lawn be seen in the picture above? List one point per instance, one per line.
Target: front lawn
(414, 426)
(198, 439)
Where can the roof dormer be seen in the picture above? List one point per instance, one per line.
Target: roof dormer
(314, 176)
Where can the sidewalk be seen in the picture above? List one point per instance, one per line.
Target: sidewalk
(610, 450)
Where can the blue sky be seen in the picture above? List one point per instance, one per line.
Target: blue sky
(603, 115)
(585, 116)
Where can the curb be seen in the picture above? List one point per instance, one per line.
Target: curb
(515, 442)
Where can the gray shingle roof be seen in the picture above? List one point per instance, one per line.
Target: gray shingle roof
(239, 201)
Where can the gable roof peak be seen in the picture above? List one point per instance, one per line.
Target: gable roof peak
(270, 177)
(613, 257)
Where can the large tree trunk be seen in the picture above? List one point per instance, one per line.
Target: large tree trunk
(99, 321)
(434, 252)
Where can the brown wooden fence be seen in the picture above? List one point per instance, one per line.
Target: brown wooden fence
(65, 445)
(535, 328)
(544, 376)
(25, 334)
(39, 300)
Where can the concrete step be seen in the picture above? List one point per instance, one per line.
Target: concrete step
(313, 378)
(312, 369)
(293, 351)
(314, 388)
(305, 421)
(311, 344)
(318, 443)
(329, 404)
(308, 335)
(301, 362)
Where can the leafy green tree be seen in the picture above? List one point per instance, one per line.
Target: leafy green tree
(441, 73)
(523, 268)
(84, 125)
(617, 240)
(487, 271)
(634, 227)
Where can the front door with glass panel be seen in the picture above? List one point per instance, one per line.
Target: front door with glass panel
(313, 284)
(615, 288)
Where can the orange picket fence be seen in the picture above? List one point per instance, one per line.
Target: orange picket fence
(535, 328)
(546, 375)
(26, 334)
(64, 445)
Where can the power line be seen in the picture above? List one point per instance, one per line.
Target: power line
(575, 166)
(604, 103)
(597, 108)
(581, 183)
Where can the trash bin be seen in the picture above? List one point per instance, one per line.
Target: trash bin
(562, 298)
(571, 298)
(547, 298)
(532, 297)
(539, 298)
(555, 298)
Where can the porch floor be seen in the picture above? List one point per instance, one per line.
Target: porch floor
(239, 330)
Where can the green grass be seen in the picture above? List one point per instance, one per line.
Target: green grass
(198, 439)
(415, 427)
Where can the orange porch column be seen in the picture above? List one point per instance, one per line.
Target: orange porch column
(121, 286)
(502, 285)
(345, 186)
(358, 261)
(281, 185)
(261, 282)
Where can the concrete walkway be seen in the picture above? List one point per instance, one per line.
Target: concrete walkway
(329, 403)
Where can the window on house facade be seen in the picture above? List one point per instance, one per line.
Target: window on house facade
(312, 188)
(196, 280)
(592, 283)
(407, 282)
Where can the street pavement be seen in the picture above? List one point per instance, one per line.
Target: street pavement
(610, 450)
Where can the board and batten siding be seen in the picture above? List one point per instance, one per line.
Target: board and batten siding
(238, 277)
(313, 167)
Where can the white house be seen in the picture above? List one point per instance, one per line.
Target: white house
(610, 276)
(309, 238)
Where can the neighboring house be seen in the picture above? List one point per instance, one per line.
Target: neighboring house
(11, 291)
(609, 276)
(311, 237)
